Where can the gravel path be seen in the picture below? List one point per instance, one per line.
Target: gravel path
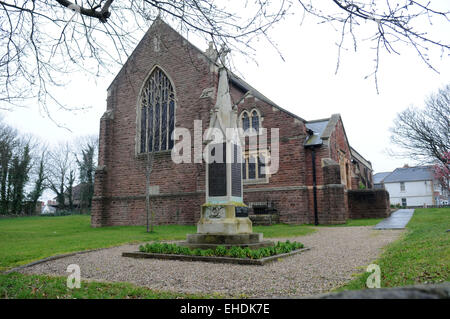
(336, 253)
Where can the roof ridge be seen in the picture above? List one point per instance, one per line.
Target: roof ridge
(235, 78)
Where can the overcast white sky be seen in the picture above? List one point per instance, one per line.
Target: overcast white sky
(305, 84)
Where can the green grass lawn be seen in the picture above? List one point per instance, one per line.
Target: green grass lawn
(23, 240)
(18, 286)
(422, 255)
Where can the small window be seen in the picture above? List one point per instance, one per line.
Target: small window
(245, 121)
(404, 202)
(261, 166)
(254, 165)
(255, 121)
(251, 167)
(244, 168)
(250, 120)
(402, 186)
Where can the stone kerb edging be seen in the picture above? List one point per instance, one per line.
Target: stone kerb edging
(213, 259)
(55, 257)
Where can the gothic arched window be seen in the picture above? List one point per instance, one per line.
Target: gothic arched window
(245, 121)
(157, 113)
(255, 120)
(251, 120)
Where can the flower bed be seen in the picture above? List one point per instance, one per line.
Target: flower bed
(233, 252)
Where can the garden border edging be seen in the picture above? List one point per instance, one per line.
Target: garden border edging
(213, 259)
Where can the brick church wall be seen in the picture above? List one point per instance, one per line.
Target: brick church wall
(332, 195)
(124, 174)
(179, 189)
(291, 203)
(368, 203)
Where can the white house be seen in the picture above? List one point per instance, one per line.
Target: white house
(412, 186)
(48, 209)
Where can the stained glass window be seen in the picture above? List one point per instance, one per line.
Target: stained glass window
(157, 112)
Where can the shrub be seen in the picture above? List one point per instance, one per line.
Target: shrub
(221, 251)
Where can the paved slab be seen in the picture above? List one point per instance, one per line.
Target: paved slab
(398, 220)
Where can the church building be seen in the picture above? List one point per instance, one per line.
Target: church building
(168, 83)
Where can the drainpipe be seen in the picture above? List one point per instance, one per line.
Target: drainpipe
(316, 217)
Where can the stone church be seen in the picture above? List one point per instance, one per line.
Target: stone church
(168, 83)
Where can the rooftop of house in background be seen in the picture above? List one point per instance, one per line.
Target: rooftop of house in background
(379, 177)
(410, 174)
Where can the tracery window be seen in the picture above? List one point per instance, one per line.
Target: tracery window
(250, 120)
(157, 113)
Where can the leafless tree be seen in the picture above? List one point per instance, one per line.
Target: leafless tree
(61, 173)
(424, 134)
(390, 24)
(43, 40)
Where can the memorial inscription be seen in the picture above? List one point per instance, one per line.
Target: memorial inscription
(217, 175)
(241, 212)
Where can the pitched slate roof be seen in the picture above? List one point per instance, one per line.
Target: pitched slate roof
(409, 174)
(318, 127)
(322, 130)
(379, 177)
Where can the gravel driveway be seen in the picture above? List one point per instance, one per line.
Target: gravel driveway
(336, 253)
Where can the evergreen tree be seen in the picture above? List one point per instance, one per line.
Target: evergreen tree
(39, 183)
(19, 173)
(69, 189)
(87, 171)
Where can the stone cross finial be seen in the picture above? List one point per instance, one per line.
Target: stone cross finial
(211, 52)
(224, 50)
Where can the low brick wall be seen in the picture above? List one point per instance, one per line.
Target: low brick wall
(264, 219)
(331, 204)
(372, 203)
(121, 211)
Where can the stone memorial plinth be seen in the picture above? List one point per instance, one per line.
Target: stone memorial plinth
(224, 217)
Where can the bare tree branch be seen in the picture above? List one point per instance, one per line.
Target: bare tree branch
(42, 41)
(424, 134)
